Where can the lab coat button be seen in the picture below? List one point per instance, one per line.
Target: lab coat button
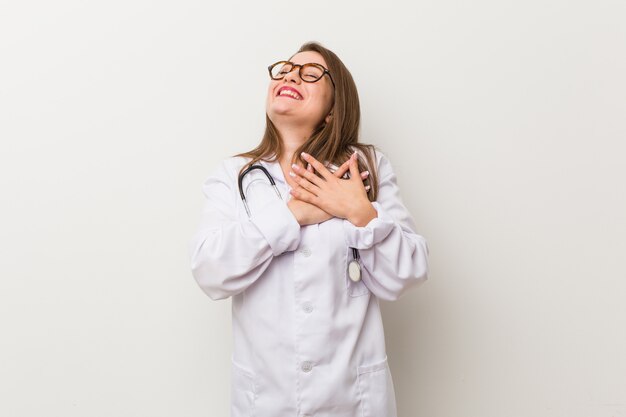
(307, 307)
(307, 366)
(305, 251)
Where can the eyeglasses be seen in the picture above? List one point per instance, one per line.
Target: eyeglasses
(309, 73)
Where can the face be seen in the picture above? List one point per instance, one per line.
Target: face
(312, 101)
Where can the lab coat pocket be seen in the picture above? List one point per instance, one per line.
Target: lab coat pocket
(376, 390)
(243, 391)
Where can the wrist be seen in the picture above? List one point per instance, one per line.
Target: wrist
(363, 215)
(291, 205)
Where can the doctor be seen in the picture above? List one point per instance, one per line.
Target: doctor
(308, 340)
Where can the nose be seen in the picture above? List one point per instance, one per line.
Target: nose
(293, 75)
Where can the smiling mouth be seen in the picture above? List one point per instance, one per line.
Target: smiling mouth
(289, 93)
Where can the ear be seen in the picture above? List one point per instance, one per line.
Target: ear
(327, 119)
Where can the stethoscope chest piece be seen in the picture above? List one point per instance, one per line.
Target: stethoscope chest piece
(354, 269)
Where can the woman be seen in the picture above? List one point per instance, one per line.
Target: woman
(308, 335)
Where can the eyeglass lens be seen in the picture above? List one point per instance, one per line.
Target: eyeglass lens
(308, 72)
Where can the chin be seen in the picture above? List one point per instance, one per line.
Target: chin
(280, 109)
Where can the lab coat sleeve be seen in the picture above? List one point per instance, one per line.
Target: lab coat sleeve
(228, 255)
(394, 257)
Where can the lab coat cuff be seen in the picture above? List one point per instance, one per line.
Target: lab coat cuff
(372, 233)
(278, 225)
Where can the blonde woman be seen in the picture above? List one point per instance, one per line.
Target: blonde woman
(306, 233)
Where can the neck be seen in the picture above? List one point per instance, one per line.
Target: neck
(292, 137)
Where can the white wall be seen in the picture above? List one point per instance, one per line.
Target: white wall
(504, 121)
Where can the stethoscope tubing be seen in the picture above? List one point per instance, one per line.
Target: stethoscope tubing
(354, 268)
(240, 182)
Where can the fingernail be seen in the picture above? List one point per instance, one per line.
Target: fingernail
(292, 174)
(308, 166)
(294, 166)
(367, 188)
(365, 173)
(304, 154)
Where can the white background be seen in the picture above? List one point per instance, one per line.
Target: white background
(504, 120)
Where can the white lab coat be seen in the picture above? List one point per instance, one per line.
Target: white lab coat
(308, 341)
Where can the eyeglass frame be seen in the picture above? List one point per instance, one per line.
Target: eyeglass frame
(269, 68)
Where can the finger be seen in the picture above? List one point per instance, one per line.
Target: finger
(342, 169)
(311, 177)
(305, 183)
(309, 167)
(354, 168)
(290, 181)
(302, 194)
(319, 167)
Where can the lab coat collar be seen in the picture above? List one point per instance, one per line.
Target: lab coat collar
(277, 173)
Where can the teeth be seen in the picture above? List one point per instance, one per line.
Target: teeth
(290, 93)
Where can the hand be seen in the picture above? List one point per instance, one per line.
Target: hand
(307, 213)
(346, 199)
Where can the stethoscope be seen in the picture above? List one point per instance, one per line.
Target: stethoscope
(354, 268)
